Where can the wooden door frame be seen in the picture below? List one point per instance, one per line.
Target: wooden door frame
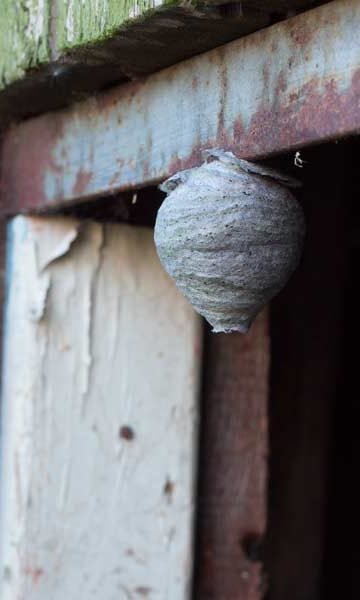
(272, 92)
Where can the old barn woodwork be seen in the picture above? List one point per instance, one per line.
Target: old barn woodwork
(257, 96)
(100, 417)
(141, 455)
(306, 333)
(232, 486)
(55, 52)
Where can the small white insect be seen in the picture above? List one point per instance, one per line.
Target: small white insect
(298, 161)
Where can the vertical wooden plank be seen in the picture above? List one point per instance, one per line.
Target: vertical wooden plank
(24, 40)
(233, 470)
(101, 363)
(307, 321)
(80, 23)
(2, 273)
(342, 553)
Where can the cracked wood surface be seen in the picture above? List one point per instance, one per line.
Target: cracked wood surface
(256, 96)
(53, 52)
(101, 366)
(232, 486)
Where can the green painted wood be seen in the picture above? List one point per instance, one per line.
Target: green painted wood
(24, 39)
(55, 52)
(97, 43)
(79, 23)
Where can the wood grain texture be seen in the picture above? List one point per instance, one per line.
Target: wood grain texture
(80, 23)
(144, 131)
(100, 414)
(24, 28)
(233, 466)
(94, 43)
(307, 327)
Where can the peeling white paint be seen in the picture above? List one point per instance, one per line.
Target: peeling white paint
(138, 8)
(52, 243)
(38, 304)
(49, 244)
(85, 511)
(70, 30)
(36, 12)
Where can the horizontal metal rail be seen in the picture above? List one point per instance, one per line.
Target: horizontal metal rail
(287, 86)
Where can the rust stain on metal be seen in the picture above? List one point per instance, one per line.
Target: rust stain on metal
(319, 112)
(106, 102)
(266, 74)
(143, 590)
(35, 573)
(195, 83)
(297, 121)
(82, 180)
(126, 433)
(238, 130)
(114, 178)
(220, 65)
(193, 159)
(277, 90)
(32, 155)
(302, 36)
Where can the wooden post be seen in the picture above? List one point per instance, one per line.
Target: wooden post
(101, 364)
(306, 331)
(233, 466)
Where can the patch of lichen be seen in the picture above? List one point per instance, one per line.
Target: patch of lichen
(24, 27)
(81, 24)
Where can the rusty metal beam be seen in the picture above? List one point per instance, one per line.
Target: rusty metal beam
(291, 85)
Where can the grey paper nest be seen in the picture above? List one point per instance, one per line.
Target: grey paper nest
(230, 233)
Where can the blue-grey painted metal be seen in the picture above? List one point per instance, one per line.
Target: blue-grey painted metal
(291, 85)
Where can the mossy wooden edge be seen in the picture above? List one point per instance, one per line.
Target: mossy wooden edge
(142, 45)
(79, 23)
(24, 38)
(55, 52)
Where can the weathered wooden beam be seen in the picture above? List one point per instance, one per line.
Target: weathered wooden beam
(97, 44)
(233, 466)
(79, 23)
(99, 417)
(284, 87)
(53, 52)
(24, 43)
(307, 329)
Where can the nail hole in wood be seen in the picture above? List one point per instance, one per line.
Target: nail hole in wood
(126, 433)
(169, 489)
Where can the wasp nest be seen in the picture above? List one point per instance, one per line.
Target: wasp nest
(230, 234)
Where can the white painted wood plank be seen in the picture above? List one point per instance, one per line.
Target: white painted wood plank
(101, 368)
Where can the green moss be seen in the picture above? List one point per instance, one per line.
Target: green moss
(24, 26)
(80, 23)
